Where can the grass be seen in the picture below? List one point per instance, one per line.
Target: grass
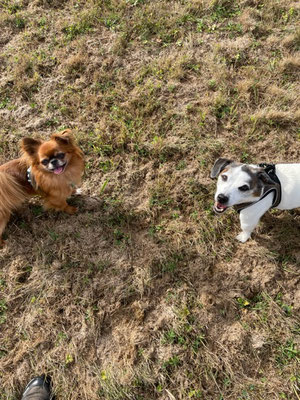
(145, 294)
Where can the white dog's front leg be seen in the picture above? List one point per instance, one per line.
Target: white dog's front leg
(250, 216)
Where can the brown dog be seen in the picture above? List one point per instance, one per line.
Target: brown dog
(51, 169)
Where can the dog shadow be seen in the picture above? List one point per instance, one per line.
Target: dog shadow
(33, 211)
(281, 233)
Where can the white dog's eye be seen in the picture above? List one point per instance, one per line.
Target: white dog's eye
(224, 177)
(244, 188)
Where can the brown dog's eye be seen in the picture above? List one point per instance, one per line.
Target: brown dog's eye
(224, 177)
(60, 156)
(45, 161)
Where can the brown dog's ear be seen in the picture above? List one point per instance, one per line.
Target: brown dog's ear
(30, 145)
(219, 165)
(63, 137)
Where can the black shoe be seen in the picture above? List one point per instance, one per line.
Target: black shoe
(38, 388)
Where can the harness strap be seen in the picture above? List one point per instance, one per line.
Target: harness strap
(273, 186)
(30, 178)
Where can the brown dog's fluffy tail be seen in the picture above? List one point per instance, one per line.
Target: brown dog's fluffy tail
(11, 193)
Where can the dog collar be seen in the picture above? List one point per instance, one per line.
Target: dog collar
(28, 175)
(30, 178)
(273, 186)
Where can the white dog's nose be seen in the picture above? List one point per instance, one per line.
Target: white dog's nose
(222, 198)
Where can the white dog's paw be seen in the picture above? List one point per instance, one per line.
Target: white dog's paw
(78, 191)
(243, 236)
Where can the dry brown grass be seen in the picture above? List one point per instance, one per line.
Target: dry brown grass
(145, 294)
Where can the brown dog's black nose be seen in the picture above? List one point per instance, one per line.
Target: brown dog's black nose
(222, 198)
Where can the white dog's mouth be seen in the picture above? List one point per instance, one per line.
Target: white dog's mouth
(219, 208)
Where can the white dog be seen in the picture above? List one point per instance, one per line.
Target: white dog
(254, 189)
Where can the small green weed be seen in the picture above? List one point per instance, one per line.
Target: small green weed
(159, 200)
(287, 353)
(37, 210)
(171, 264)
(11, 6)
(285, 307)
(19, 22)
(69, 359)
(154, 229)
(54, 236)
(76, 29)
(171, 363)
(120, 237)
(243, 303)
(221, 109)
(111, 21)
(259, 302)
(105, 166)
(61, 337)
(195, 394)
(173, 338)
(181, 165)
(3, 309)
(2, 283)
(4, 102)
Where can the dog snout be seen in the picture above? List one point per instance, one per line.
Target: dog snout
(54, 162)
(222, 198)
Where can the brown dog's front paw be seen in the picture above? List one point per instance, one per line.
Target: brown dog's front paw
(71, 210)
(77, 192)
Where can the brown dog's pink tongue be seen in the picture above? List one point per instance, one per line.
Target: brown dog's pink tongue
(58, 170)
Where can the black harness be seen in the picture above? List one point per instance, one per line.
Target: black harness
(273, 186)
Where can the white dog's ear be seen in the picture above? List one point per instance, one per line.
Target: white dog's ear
(263, 176)
(219, 165)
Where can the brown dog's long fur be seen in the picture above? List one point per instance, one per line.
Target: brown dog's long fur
(53, 188)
